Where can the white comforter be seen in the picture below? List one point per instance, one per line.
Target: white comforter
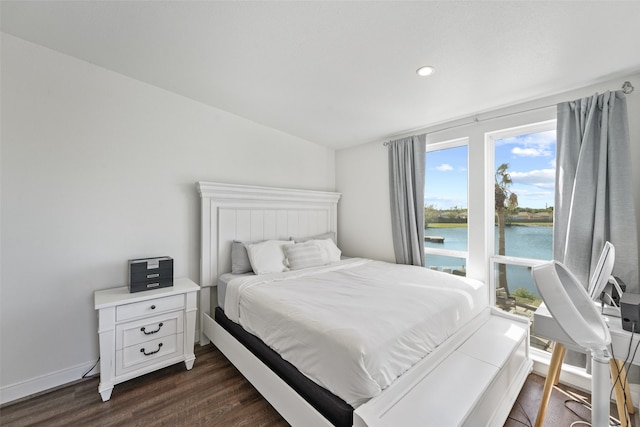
(355, 326)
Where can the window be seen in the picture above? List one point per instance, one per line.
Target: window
(521, 189)
(468, 168)
(446, 212)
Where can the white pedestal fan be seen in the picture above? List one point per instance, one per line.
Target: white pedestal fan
(574, 310)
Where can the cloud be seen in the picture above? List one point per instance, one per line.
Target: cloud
(541, 178)
(444, 167)
(540, 144)
(539, 151)
(541, 139)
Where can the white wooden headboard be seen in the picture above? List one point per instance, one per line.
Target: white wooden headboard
(245, 212)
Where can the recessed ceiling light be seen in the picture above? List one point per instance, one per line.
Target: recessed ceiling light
(427, 70)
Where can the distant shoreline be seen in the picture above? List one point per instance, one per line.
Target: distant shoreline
(464, 224)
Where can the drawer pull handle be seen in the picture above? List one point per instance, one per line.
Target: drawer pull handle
(151, 352)
(152, 332)
(153, 307)
(153, 276)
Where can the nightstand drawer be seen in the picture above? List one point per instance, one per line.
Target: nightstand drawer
(151, 352)
(148, 329)
(149, 307)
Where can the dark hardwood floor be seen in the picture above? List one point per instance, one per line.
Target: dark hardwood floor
(565, 407)
(213, 393)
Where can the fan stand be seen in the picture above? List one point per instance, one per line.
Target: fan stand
(600, 381)
(573, 309)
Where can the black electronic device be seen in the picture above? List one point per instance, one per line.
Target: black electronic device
(150, 273)
(630, 311)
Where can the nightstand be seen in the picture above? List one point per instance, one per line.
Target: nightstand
(144, 331)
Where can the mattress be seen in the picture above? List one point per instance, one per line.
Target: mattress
(353, 327)
(222, 283)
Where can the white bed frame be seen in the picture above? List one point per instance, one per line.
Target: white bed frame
(472, 379)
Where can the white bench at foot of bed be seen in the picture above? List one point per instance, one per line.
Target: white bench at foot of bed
(476, 383)
(472, 379)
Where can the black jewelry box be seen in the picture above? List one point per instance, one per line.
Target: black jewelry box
(150, 273)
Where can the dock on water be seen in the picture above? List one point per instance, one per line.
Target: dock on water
(434, 239)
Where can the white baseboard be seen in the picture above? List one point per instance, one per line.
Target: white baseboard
(46, 382)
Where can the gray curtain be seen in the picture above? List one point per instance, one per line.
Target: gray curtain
(406, 183)
(594, 195)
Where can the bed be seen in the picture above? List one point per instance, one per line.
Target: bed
(398, 383)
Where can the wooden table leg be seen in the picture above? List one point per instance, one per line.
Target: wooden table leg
(618, 370)
(562, 349)
(552, 378)
(627, 389)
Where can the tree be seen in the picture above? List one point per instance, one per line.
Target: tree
(505, 201)
(430, 215)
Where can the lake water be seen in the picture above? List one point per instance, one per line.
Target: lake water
(521, 241)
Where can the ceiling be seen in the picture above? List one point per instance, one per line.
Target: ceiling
(343, 73)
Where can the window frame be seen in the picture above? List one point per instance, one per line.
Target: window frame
(443, 145)
(490, 166)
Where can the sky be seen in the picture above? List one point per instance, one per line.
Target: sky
(531, 160)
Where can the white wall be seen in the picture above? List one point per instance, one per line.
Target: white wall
(364, 214)
(98, 168)
(362, 175)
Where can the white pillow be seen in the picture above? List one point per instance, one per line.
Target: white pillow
(328, 235)
(303, 255)
(328, 249)
(267, 256)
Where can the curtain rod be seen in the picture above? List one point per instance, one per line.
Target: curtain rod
(627, 88)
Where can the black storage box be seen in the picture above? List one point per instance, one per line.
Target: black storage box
(150, 273)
